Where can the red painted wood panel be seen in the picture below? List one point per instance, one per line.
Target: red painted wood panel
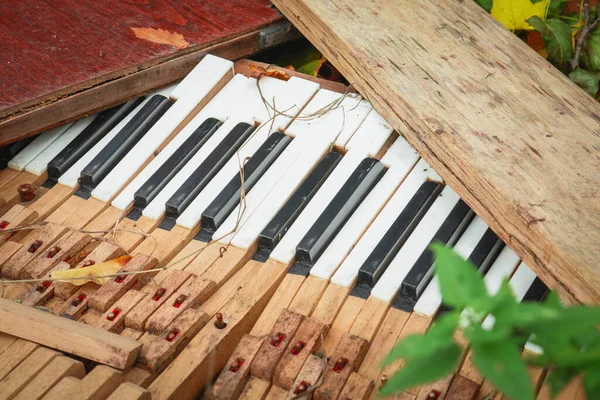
(48, 45)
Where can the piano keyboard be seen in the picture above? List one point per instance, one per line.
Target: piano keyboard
(327, 251)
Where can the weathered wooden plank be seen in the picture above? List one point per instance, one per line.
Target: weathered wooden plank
(66, 335)
(510, 133)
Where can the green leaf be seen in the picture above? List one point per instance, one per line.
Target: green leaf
(460, 283)
(478, 335)
(591, 381)
(424, 369)
(502, 365)
(587, 80)
(556, 8)
(419, 346)
(536, 1)
(557, 38)
(559, 378)
(592, 49)
(487, 4)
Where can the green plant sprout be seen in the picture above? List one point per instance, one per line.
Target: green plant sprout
(568, 336)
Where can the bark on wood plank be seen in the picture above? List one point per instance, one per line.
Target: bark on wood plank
(513, 136)
(65, 335)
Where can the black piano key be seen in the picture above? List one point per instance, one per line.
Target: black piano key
(339, 210)
(536, 292)
(421, 272)
(124, 141)
(88, 138)
(281, 222)
(163, 175)
(207, 170)
(395, 237)
(222, 205)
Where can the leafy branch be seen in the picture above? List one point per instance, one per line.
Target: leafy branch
(568, 336)
(587, 28)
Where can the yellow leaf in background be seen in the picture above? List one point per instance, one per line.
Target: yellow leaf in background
(514, 13)
(86, 274)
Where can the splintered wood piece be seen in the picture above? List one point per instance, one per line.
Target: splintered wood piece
(343, 322)
(190, 295)
(255, 389)
(77, 304)
(275, 344)
(310, 375)
(308, 295)
(280, 300)
(306, 341)
(157, 294)
(42, 239)
(14, 354)
(114, 289)
(157, 350)
(129, 391)
(234, 375)
(105, 251)
(210, 349)
(65, 247)
(369, 318)
(99, 383)
(17, 216)
(346, 358)
(56, 370)
(462, 388)
(166, 244)
(357, 388)
(113, 320)
(64, 389)
(19, 377)
(65, 335)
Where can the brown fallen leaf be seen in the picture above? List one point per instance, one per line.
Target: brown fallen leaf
(258, 70)
(161, 36)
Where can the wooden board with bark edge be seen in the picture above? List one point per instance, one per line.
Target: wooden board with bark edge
(66, 335)
(516, 139)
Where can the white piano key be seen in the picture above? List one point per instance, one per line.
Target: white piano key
(212, 72)
(371, 135)
(339, 248)
(400, 155)
(210, 68)
(227, 101)
(431, 299)
(36, 147)
(391, 280)
(297, 148)
(504, 266)
(39, 165)
(298, 92)
(332, 112)
(247, 234)
(192, 214)
(71, 176)
(348, 271)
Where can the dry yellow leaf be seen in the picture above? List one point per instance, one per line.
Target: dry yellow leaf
(87, 274)
(161, 36)
(514, 13)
